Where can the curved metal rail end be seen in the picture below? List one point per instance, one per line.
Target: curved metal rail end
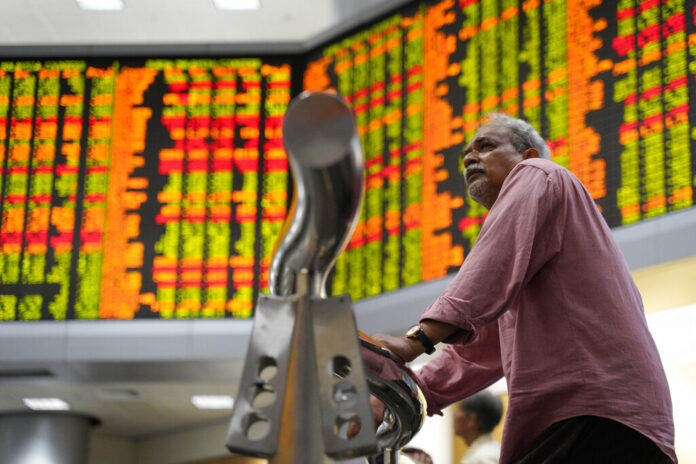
(405, 403)
(326, 162)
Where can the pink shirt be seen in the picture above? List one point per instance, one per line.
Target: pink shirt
(546, 299)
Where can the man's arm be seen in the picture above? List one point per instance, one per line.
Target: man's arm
(460, 371)
(409, 349)
(522, 232)
(457, 372)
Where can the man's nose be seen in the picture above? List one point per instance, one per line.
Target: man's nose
(470, 158)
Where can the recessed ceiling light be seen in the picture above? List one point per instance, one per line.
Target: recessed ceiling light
(212, 401)
(237, 4)
(46, 404)
(101, 4)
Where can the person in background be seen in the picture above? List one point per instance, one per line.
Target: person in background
(546, 299)
(474, 420)
(417, 455)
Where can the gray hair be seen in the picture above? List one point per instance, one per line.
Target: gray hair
(524, 136)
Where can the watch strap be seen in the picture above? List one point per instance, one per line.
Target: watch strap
(427, 343)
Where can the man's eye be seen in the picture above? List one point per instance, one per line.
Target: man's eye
(487, 146)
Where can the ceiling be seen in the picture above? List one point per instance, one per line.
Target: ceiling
(33, 27)
(132, 410)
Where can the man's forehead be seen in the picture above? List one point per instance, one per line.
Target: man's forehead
(492, 132)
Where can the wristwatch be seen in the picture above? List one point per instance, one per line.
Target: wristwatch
(416, 333)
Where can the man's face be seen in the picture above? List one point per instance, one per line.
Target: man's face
(463, 422)
(488, 159)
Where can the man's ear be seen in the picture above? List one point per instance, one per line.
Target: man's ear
(530, 153)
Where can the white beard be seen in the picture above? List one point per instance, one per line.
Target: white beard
(480, 191)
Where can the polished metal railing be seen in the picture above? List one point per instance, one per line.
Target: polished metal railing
(303, 397)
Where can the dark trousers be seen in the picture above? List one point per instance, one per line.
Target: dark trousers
(592, 440)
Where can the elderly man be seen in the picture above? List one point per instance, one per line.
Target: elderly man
(546, 299)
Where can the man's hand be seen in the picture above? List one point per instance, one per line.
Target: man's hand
(405, 348)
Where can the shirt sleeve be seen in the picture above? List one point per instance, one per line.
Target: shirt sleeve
(461, 370)
(517, 238)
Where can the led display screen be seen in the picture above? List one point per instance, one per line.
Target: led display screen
(611, 86)
(155, 188)
(139, 188)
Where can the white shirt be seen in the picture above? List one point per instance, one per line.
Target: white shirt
(484, 450)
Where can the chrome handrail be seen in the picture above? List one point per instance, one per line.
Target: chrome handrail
(405, 403)
(319, 383)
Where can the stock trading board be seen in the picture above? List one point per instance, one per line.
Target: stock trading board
(150, 188)
(136, 188)
(611, 86)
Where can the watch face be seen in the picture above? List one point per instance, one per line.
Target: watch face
(413, 330)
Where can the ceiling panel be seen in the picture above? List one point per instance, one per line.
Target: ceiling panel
(61, 22)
